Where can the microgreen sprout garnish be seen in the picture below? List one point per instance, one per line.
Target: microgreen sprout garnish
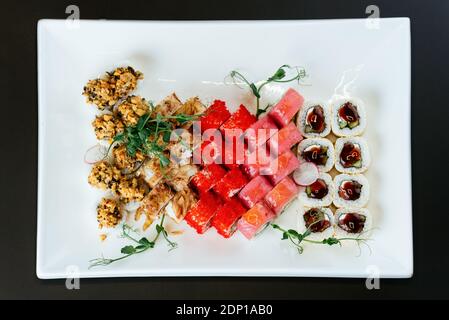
(297, 239)
(136, 246)
(151, 135)
(277, 77)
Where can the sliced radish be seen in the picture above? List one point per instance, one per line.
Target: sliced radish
(95, 154)
(306, 174)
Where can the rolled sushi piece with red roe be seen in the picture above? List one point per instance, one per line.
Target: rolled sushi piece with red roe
(208, 152)
(281, 195)
(214, 116)
(225, 219)
(284, 111)
(284, 139)
(241, 119)
(200, 215)
(254, 191)
(255, 219)
(285, 164)
(230, 184)
(234, 153)
(204, 180)
(259, 132)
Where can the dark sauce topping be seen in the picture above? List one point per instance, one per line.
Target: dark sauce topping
(315, 120)
(351, 155)
(317, 190)
(350, 190)
(348, 112)
(352, 222)
(316, 220)
(316, 154)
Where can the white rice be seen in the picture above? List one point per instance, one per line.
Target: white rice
(364, 194)
(364, 150)
(321, 142)
(301, 119)
(326, 200)
(329, 232)
(348, 132)
(367, 229)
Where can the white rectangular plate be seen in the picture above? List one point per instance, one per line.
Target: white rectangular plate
(369, 59)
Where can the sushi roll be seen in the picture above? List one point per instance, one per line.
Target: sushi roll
(281, 195)
(352, 155)
(225, 220)
(284, 111)
(242, 119)
(214, 116)
(318, 151)
(314, 119)
(278, 169)
(255, 219)
(351, 222)
(319, 220)
(204, 180)
(318, 194)
(259, 132)
(230, 184)
(254, 191)
(348, 117)
(351, 191)
(284, 139)
(200, 215)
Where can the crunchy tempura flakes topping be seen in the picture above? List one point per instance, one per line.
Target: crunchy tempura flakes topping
(109, 213)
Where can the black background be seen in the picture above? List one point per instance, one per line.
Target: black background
(18, 151)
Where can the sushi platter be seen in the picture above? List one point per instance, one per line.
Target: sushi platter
(277, 167)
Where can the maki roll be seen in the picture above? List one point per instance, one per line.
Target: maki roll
(254, 191)
(204, 180)
(319, 220)
(352, 221)
(201, 213)
(318, 151)
(314, 119)
(281, 167)
(281, 195)
(284, 111)
(255, 219)
(230, 184)
(348, 117)
(352, 155)
(214, 116)
(284, 139)
(225, 220)
(351, 191)
(320, 193)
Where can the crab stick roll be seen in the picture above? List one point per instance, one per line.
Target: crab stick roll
(314, 119)
(285, 164)
(230, 184)
(319, 220)
(284, 139)
(351, 191)
(284, 111)
(254, 191)
(255, 219)
(214, 116)
(281, 195)
(318, 151)
(204, 180)
(318, 194)
(259, 132)
(352, 222)
(200, 215)
(225, 220)
(348, 117)
(352, 155)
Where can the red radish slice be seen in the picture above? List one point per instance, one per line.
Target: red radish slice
(306, 174)
(95, 154)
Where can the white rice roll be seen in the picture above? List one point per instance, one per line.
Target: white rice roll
(303, 118)
(311, 199)
(342, 128)
(361, 147)
(351, 224)
(328, 216)
(328, 156)
(361, 188)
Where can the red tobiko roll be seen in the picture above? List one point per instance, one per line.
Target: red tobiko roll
(200, 215)
(241, 119)
(284, 111)
(230, 184)
(214, 116)
(225, 219)
(204, 180)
